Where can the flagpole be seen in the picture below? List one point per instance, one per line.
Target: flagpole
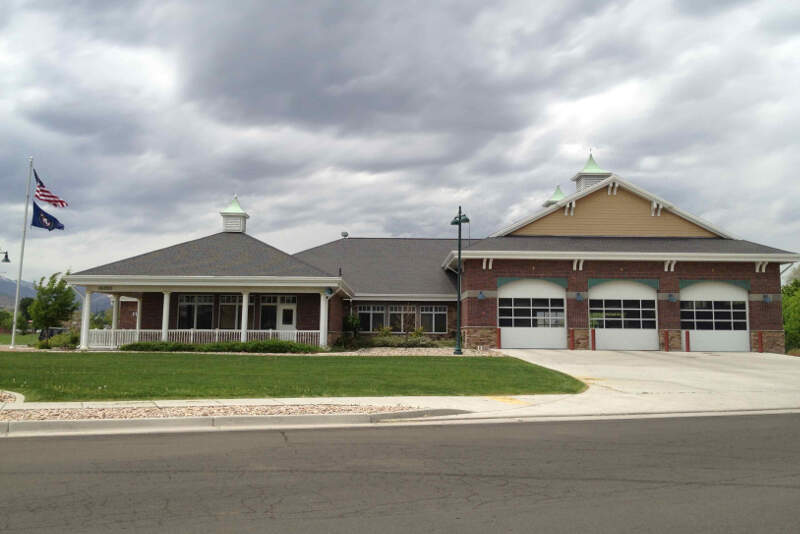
(22, 250)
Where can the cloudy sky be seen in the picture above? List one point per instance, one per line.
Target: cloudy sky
(380, 117)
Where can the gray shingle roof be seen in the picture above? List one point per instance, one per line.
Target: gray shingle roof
(625, 244)
(222, 254)
(387, 265)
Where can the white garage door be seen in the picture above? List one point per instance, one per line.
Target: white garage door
(623, 315)
(530, 314)
(714, 314)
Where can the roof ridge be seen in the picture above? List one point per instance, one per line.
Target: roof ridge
(376, 238)
(292, 256)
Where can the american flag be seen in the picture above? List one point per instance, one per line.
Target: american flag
(44, 194)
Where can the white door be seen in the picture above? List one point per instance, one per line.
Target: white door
(530, 314)
(715, 316)
(287, 316)
(623, 315)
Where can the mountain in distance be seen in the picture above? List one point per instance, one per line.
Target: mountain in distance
(8, 287)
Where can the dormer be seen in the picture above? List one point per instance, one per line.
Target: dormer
(234, 218)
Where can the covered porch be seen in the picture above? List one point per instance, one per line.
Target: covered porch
(207, 314)
(226, 286)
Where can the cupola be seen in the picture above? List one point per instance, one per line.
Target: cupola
(234, 218)
(590, 175)
(555, 198)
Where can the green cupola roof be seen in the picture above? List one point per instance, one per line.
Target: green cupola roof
(234, 206)
(555, 198)
(592, 167)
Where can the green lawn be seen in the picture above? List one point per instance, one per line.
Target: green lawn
(26, 339)
(98, 376)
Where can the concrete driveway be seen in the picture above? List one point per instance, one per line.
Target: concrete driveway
(643, 382)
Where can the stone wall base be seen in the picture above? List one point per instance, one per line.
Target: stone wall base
(674, 339)
(771, 341)
(578, 339)
(479, 336)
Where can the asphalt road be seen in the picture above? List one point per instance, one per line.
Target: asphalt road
(722, 474)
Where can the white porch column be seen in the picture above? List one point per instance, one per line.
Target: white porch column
(85, 314)
(245, 312)
(114, 312)
(165, 317)
(114, 319)
(323, 319)
(138, 316)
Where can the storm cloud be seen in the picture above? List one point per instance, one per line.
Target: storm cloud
(380, 118)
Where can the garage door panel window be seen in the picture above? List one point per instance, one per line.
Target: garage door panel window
(628, 313)
(713, 315)
(531, 313)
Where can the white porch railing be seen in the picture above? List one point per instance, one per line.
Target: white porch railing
(108, 338)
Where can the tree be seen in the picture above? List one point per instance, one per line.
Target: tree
(793, 275)
(100, 319)
(24, 314)
(791, 314)
(54, 302)
(6, 319)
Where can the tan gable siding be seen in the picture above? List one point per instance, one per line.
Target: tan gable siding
(623, 214)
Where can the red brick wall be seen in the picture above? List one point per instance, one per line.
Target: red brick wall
(151, 310)
(763, 316)
(127, 315)
(308, 311)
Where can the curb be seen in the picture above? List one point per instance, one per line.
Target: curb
(11, 429)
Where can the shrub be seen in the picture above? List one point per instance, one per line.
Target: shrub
(159, 346)
(64, 340)
(271, 345)
(351, 325)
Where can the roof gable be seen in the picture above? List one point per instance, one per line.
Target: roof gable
(613, 207)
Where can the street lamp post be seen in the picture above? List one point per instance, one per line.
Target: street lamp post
(458, 220)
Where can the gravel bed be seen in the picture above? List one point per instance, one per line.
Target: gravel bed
(6, 397)
(415, 351)
(71, 414)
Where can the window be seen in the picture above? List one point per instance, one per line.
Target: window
(196, 311)
(287, 317)
(530, 313)
(287, 299)
(433, 319)
(618, 313)
(370, 317)
(230, 312)
(713, 315)
(402, 318)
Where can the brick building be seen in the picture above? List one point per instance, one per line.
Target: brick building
(610, 266)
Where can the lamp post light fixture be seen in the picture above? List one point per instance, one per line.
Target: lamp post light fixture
(5, 256)
(458, 220)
